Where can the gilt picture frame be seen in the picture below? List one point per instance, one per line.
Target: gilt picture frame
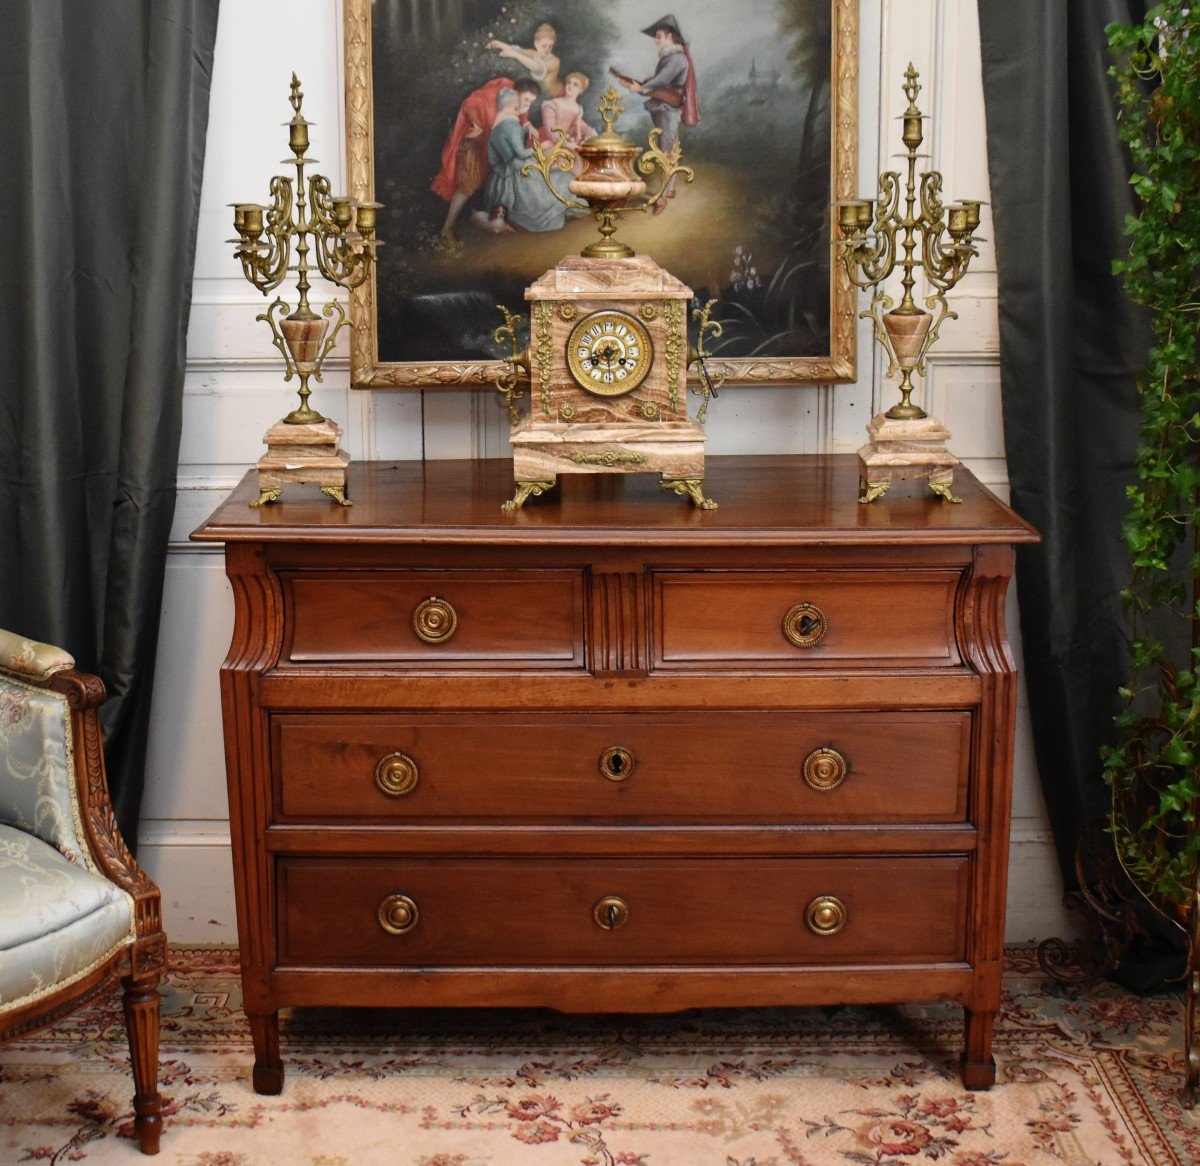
(774, 144)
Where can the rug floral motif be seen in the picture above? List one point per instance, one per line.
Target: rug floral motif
(1090, 1081)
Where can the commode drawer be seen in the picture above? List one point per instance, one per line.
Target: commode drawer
(714, 767)
(767, 620)
(341, 912)
(436, 620)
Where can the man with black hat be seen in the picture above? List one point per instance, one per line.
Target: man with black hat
(671, 92)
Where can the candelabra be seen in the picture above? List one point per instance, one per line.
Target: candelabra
(876, 238)
(273, 240)
(608, 185)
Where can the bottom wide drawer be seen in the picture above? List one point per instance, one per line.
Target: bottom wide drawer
(562, 912)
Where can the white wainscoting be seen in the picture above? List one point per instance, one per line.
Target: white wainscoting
(233, 392)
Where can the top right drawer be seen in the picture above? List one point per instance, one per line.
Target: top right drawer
(756, 620)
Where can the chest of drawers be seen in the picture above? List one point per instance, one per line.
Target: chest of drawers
(616, 753)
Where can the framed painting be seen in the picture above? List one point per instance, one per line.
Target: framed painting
(769, 127)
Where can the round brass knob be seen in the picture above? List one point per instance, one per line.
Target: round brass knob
(825, 915)
(617, 763)
(611, 912)
(805, 625)
(397, 914)
(825, 769)
(434, 620)
(396, 775)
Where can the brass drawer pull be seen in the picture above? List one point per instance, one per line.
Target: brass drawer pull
(825, 915)
(396, 775)
(434, 620)
(611, 912)
(617, 763)
(825, 769)
(397, 914)
(805, 625)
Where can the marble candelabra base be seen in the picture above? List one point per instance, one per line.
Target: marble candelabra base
(902, 450)
(674, 450)
(300, 455)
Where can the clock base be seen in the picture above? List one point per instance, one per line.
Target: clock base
(674, 450)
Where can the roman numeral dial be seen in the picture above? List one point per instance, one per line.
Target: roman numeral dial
(609, 353)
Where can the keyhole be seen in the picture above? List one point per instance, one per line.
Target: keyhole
(617, 765)
(808, 625)
(610, 914)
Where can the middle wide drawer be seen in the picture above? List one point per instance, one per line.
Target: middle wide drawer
(830, 767)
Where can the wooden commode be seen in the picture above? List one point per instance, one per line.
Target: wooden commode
(611, 753)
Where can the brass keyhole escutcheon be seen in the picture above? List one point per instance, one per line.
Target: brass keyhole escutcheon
(617, 763)
(825, 769)
(825, 915)
(396, 775)
(434, 620)
(397, 914)
(805, 625)
(611, 912)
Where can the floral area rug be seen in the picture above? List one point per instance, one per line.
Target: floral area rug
(1087, 1080)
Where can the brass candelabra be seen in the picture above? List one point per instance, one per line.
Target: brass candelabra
(907, 226)
(609, 185)
(273, 240)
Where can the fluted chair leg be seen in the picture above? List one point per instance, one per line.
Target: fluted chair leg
(143, 1006)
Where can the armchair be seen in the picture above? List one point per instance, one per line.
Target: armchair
(75, 907)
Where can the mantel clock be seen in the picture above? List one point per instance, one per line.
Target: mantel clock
(608, 359)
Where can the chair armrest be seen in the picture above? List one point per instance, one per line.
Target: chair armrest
(30, 660)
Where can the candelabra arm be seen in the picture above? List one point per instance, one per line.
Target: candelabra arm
(653, 158)
(277, 337)
(343, 258)
(869, 261)
(944, 265)
(710, 383)
(545, 162)
(516, 369)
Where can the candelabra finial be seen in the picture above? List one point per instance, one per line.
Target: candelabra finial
(610, 108)
(907, 226)
(297, 97)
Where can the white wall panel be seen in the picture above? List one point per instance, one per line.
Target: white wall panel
(234, 391)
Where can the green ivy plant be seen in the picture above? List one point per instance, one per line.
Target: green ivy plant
(1153, 769)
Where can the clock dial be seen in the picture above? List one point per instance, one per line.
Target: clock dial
(609, 353)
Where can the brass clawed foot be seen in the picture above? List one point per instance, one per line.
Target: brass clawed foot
(269, 494)
(338, 494)
(526, 490)
(692, 487)
(942, 490)
(869, 491)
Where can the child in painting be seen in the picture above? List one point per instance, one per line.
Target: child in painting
(514, 200)
(566, 114)
(541, 62)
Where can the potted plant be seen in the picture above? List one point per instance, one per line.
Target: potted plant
(1153, 770)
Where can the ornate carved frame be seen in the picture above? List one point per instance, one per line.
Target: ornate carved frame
(368, 373)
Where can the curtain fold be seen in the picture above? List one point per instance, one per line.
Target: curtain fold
(1071, 346)
(103, 112)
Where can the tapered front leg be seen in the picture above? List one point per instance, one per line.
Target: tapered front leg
(268, 1067)
(977, 1066)
(143, 1008)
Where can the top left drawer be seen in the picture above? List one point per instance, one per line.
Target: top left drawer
(436, 620)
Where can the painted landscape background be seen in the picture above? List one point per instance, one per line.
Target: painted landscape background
(751, 230)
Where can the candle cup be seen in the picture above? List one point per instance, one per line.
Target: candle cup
(958, 220)
(365, 218)
(850, 216)
(298, 135)
(342, 212)
(865, 210)
(252, 220)
(971, 206)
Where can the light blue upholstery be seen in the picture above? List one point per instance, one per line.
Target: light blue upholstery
(37, 770)
(58, 920)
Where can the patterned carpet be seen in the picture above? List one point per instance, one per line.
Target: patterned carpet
(1091, 1080)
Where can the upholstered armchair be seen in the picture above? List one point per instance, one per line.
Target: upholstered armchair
(76, 910)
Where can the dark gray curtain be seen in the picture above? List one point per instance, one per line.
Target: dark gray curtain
(1071, 345)
(103, 110)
